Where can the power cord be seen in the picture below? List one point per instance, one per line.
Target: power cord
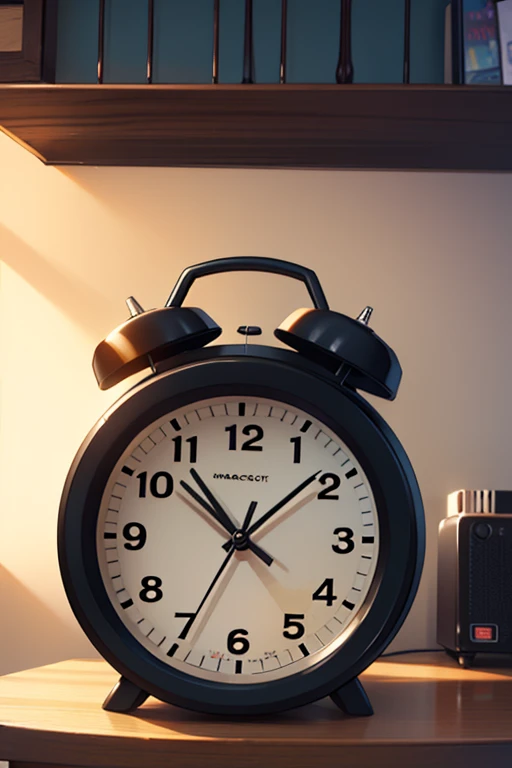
(412, 650)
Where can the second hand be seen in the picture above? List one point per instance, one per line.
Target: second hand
(225, 563)
(215, 580)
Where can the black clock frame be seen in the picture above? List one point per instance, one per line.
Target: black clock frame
(284, 376)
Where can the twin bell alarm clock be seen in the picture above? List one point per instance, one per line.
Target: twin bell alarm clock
(241, 532)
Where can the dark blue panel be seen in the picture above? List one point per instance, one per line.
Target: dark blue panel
(313, 40)
(126, 31)
(77, 45)
(231, 41)
(183, 41)
(378, 40)
(267, 40)
(427, 41)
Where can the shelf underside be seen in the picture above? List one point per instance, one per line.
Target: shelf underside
(291, 126)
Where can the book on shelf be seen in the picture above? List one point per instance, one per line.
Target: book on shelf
(504, 11)
(472, 50)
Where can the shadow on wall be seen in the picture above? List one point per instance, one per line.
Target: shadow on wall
(421, 622)
(32, 634)
(80, 302)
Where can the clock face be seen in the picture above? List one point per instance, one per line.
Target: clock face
(237, 539)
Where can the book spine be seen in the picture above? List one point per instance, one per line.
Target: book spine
(457, 43)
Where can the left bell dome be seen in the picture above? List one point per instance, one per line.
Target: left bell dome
(149, 337)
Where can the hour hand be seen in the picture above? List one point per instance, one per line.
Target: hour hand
(220, 514)
(242, 541)
(259, 552)
(225, 523)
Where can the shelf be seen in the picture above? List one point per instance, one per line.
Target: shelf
(428, 712)
(281, 126)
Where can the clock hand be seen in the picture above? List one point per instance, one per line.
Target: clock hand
(232, 529)
(205, 506)
(232, 544)
(249, 515)
(278, 506)
(221, 515)
(242, 539)
(214, 582)
(282, 503)
(260, 553)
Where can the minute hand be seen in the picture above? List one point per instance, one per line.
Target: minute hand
(220, 514)
(282, 503)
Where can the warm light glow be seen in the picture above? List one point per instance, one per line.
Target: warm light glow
(49, 398)
(429, 251)
(292, 319)
(48, 213)
(410, 671)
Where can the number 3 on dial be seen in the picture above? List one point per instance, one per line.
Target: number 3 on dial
(346, 542)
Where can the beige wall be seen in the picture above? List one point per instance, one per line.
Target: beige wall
(429, 251)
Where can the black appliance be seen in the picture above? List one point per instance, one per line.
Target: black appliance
(474, 586)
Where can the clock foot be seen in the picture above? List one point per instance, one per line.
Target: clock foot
(124, 697)
(352, 699)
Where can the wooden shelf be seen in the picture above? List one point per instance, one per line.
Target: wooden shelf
(428, 712)
(290, 126)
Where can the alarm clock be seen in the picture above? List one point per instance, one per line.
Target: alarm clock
(241, 532)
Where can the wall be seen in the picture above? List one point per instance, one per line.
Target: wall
(429, 251)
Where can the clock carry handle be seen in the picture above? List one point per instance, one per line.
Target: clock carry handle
(248, 264)
(344, 346)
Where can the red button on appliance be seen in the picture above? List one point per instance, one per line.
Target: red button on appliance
(484, 633)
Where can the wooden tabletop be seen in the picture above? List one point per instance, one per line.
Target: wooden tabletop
(428, 712)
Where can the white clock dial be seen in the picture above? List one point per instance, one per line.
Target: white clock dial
(278, 591)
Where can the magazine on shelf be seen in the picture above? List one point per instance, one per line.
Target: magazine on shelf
(471, 32)
(504, 9)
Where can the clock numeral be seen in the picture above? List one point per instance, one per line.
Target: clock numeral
(135, 534)
(332, 483)
(151, 589)
(296, 442)
(237, 644)
(248, 445)
(192, 441)
(188, 624)
(326, 592)
(293, 621)
(161, 485)
(346, 539)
